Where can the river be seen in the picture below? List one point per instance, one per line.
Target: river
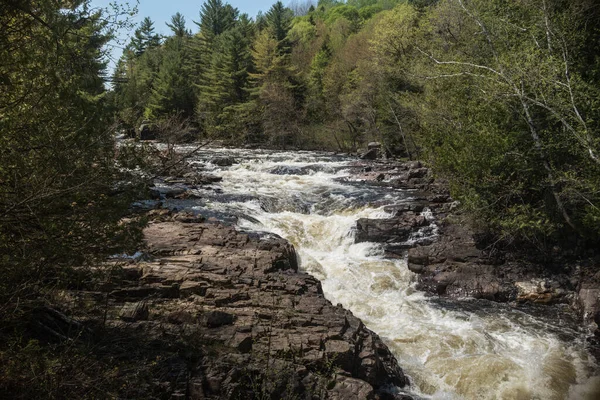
(451, 350)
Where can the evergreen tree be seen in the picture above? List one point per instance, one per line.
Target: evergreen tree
(57, 174)
(226, 80)
(216, 18)
(279, 22)
(144, 38)
(177, 26)
(171, 92)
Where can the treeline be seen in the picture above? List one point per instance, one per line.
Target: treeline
(501, 97)
(278, 79)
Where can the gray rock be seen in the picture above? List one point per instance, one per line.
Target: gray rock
(223, 161)
(241, 298)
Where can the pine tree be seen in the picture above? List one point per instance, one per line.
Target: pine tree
(177, 26)
(216, 18)
(279, 21)
(144, 38)
(171, 92)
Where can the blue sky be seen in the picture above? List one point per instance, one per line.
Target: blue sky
(160, 11)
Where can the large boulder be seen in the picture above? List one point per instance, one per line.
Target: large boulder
(223, 161)
(391, 230)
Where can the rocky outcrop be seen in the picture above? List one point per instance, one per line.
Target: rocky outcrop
(391, 230)
(451, 263)
(455, 263)
(453, 266)
(261, 324)
(407, 175)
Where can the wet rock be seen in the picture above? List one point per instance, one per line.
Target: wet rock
(166, 192)
(147, 131)
(223, 161)
(539, 291)
(381, 230)
(453, 266)
(398, 209)
(288, 170)
(589, 301)
(196, 178)
(277, 205)
(242, 297)
(393, 230)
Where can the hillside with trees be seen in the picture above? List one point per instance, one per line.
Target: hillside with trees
(500, 98)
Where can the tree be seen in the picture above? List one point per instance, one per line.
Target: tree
(279, 19)
(216, 18)
(514, 89)
(58, 206)
(144, 38)
(177, 26)
(226, 79)
(170, 91)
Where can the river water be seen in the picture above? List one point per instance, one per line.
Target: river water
(450, 350)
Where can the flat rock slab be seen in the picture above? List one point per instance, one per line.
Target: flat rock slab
(260, 320)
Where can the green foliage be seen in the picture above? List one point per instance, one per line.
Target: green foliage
(62, 200)
(144, 38)
(57, 174)
(501, 97)
(520, 151)
(177, 26)
(170, 89)
(216, 18)
(279, 20)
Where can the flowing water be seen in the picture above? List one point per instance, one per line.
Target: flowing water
(451, 350)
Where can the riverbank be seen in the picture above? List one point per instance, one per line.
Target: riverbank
(218, 262)
(207, 311)
(352, 223)
(263, 327)
(458, 263)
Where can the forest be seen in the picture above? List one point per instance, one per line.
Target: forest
(500, 98)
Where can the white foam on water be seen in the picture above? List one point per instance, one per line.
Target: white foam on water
(448, 353)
